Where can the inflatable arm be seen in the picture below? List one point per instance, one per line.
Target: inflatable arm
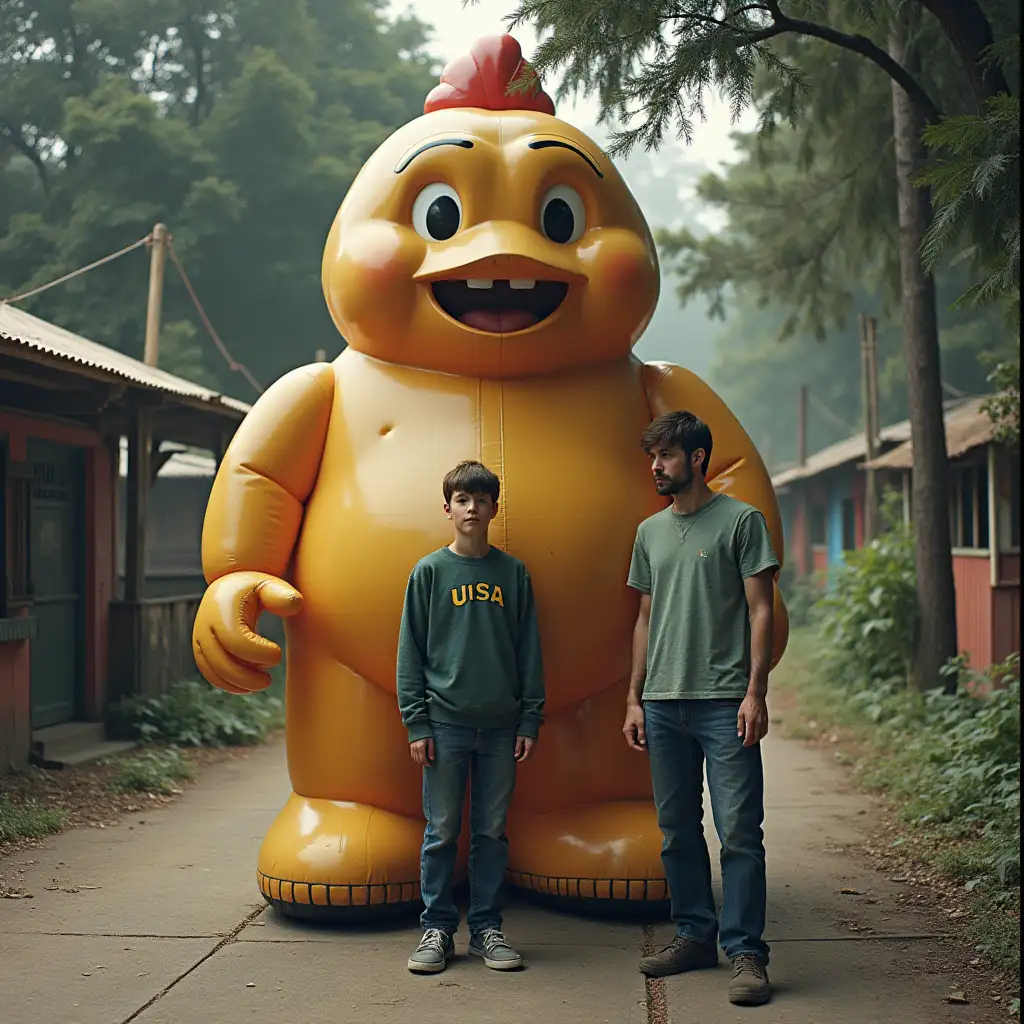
(736, 467)
(252, 522)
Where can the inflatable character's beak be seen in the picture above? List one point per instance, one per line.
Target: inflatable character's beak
(501, 251)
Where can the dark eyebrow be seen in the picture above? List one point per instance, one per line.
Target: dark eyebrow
(406, 160)
(548, 143)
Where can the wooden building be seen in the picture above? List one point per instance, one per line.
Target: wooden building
(984, 513)
(71, 640)
(822, 502)
(822, 507)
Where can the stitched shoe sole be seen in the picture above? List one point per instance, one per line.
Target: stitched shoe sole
(418, 968)
(750, 997)
(497, 965)
(667, 970)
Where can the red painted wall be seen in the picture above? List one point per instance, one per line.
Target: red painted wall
(15, 681)
(973, 608)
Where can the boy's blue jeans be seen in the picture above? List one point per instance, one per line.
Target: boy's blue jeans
(488, 756)
(681, 735)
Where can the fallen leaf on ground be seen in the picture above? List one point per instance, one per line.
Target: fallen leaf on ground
(957, 998)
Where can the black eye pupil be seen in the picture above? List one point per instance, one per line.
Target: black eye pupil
(443, 218)
(559, 222)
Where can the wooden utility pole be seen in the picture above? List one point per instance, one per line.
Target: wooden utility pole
(801, 426)
(157, 261)
(869, 396)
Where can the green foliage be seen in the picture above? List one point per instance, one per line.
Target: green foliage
(194, 714)
(1004, 406)
(869, 616)
(975, 183)
(239, 125)
(152, 772)
(801, 594)
(28, 821)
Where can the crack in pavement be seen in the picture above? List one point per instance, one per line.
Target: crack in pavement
(654, 988)
(230, 937)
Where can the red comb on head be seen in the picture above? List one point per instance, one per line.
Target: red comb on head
(481, 78)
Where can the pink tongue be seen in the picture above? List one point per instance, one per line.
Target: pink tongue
(499, 321)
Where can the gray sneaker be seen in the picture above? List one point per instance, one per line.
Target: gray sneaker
(749, 985)
(433, 952)
(497, 954)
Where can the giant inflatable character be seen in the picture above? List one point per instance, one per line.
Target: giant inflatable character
(491, 273)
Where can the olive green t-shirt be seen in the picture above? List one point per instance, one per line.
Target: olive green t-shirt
(693, 566)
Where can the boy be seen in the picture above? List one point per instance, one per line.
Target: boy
(471, 693)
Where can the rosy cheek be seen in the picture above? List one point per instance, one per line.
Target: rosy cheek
(373, 262)
(619, 264)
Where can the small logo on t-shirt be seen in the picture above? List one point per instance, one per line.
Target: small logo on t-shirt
(703, 553)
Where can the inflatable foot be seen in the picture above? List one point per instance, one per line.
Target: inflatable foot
(332, 860)
(603, 858)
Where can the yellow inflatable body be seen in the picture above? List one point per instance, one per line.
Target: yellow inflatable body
(491, 273)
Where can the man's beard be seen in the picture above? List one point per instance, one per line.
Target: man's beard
(672, 485)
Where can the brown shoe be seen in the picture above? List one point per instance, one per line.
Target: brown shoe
(749, 985)
(678, 956)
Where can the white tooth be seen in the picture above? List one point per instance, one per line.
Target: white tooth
(480, 282)
(522, 282)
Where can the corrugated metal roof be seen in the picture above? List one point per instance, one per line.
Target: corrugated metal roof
(967, 427)
(29, 331)
(840, 453)
(187, 463)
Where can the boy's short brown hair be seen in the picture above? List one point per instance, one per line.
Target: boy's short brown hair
(471, 477)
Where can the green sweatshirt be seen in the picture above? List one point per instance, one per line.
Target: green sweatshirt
(469, 646)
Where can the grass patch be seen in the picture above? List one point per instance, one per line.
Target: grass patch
(949, 763)
(152, 772)
(195, 714)
(28, 821)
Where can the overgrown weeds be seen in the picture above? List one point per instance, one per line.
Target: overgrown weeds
(152, 772)
(195, 714)
(28, 821)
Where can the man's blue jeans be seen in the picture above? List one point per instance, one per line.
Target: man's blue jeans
(681, 735)
(488, 756)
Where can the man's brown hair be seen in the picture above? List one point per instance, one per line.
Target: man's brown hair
(679, 430)
(471, 477)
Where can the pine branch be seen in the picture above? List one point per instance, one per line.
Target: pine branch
(866, 48)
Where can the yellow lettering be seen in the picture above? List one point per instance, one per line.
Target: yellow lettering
(483, 592)
(459, 597)
(496, 595)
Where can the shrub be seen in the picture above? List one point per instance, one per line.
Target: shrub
(869, 616)
(152, 772)
(802, 594)
(195, 714)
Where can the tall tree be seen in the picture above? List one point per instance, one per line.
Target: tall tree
(662, 57)
(239, 123)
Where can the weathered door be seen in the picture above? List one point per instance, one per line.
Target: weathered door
(56, 566)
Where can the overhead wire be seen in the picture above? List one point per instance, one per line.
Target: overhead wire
(233, 364)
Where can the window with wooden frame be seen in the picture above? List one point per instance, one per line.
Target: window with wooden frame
(968, 507)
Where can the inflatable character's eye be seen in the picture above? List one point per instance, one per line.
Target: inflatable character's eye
(437, 212)
(563, 217)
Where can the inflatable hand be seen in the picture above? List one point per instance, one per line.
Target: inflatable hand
(229, 652)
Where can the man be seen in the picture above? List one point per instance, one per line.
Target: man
(702, 648)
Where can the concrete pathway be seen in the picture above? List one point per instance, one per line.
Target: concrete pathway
(158, 920)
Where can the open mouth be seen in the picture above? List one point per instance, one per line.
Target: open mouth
(499, 307)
